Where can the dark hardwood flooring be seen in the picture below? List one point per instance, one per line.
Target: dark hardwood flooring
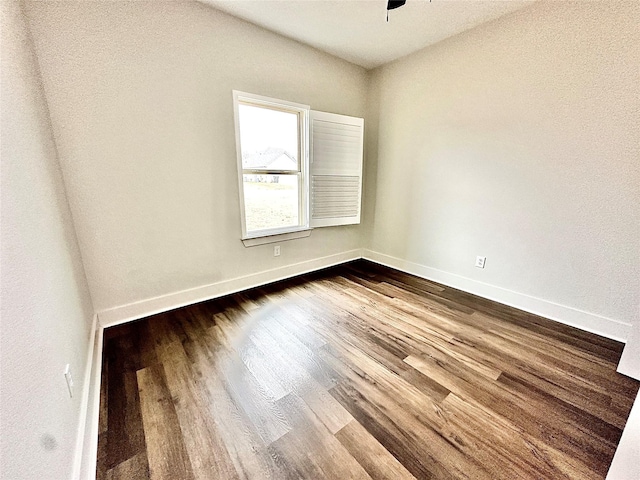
(361, 372)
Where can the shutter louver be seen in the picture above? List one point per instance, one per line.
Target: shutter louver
(336, 169)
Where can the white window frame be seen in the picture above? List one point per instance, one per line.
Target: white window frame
(303, 159)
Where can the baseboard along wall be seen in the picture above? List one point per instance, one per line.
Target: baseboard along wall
(590, 322)
(574, 317)
(85, 464)
(164, 303)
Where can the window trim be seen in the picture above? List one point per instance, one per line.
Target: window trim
(280, 237)
(303, 183)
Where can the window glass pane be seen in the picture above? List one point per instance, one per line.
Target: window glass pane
(268, 138)
(270, 201)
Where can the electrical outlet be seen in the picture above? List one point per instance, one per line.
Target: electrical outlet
(480, 261)
(276, 251)
(69, 378)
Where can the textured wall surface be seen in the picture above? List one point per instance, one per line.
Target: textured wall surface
(141, 106)
(519, 141)
(46, 310)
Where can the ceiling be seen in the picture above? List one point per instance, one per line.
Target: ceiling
(357, 30)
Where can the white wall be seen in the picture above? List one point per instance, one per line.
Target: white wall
(518, 140)
(46, 309)
(140, 95)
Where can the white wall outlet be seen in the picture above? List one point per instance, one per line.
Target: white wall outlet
(69, 378)
(480, 261)
(276, 251)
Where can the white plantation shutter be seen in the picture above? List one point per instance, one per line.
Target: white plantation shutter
(336, 144)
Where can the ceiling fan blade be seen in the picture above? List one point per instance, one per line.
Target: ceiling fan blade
(391, 4)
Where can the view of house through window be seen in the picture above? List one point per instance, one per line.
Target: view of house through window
(271, 168)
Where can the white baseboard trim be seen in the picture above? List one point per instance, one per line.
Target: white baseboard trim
(629, 364)
(81, 434)
(90, 450)
(590, 322)
(151, 306)
(87, 445)
(574, 317)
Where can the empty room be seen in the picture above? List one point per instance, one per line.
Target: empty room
(320, 239)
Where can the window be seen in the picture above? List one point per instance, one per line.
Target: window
(297, 168)
(272, 151)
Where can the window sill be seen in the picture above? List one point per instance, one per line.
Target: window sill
(279, 237)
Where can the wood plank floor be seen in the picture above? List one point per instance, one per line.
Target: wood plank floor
(358, 372)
